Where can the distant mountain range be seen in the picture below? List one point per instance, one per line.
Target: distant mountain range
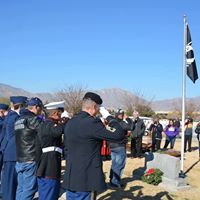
(113, 97)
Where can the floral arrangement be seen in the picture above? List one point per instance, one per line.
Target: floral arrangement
(153, 176)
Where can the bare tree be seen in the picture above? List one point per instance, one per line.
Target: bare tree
(72, 95)
(177, 106)
(129, 104)
(190, 108)
(137, 102)
(145, 110)
(173, 115)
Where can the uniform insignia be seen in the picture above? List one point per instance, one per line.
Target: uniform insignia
(111, 129)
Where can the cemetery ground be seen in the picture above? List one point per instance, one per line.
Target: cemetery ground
(137, 189)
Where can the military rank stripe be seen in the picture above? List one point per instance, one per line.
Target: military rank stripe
(111, 129)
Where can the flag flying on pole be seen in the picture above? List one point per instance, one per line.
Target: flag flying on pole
(190, 60)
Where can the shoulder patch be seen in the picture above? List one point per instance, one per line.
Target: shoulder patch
(20, 124)
(111, 129)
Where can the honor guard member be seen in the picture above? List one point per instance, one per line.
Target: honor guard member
(26, 129)
(3, 113)
(50, 140)
(83, 138)
(9, 175)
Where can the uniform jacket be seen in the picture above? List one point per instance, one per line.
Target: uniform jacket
(1, 123)
(26, 128)
(83, 141)
(50, 134)
(1, 132)
(8, 144)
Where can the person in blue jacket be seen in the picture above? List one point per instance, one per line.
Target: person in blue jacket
(9, 176)
(3, 113)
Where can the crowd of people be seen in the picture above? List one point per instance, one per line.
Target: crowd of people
(34, 138)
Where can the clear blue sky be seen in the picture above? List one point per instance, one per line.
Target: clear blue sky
(135, 45)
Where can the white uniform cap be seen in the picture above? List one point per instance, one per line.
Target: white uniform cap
(55, 105)
(65, 114)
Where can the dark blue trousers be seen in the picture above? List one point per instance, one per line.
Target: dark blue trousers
(71, 195)
(48, 189)
(9, 181)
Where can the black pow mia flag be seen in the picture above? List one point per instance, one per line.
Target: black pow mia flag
(190, 60)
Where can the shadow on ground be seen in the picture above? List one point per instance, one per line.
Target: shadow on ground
(191, 167)
(134, 192)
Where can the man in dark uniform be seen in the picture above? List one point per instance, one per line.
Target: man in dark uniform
(26, 128)
(50, 140)
(3, 113)
(83, 140)
(9, 175)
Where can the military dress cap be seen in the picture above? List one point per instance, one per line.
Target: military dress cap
(55, 105)
(18, 99)
(94, 97)
(35, 101)
(4, 106)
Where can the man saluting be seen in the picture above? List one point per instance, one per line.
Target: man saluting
(83, 139)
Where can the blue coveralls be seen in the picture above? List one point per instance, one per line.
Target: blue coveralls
(1, 139)
(9, 175)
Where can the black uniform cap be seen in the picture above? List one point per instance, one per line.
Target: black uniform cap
(94, 97)
(35, 101)
(119, 112)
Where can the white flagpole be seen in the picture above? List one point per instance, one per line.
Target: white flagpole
(181, 174)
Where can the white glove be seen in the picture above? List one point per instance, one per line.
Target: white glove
(65, 114)
(104, 112)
